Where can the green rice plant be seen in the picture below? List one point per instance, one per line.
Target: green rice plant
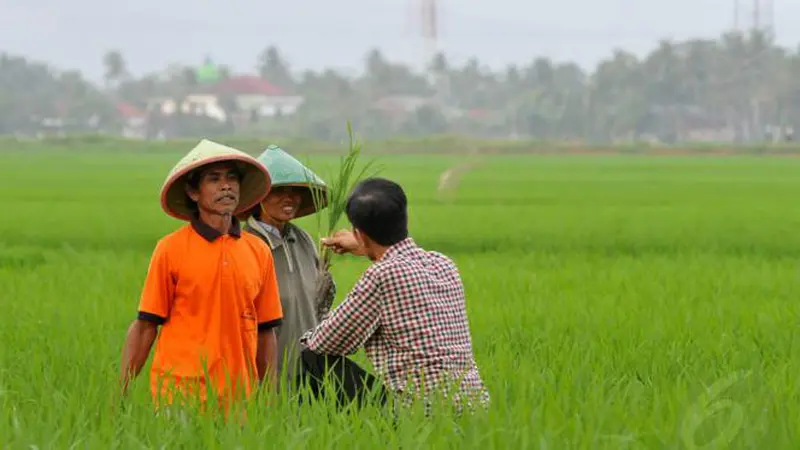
(615, 302)
(331, 203)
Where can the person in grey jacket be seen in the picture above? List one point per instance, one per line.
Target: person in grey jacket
(306, 292)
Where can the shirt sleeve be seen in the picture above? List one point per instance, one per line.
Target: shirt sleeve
(353, 322)
(268, 303)
(159, 288)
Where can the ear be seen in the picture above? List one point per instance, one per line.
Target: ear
(194, 195)
(362, 238)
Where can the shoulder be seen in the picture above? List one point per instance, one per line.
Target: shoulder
(259, 249)
(433, 256)
(371, 281)
(444, 264)
(256, 243)
(387, 271)
(441, 258)
(180, 233)
(173, 242)
(248, 230)
(418, 262)
(170, 249)
(302, 235)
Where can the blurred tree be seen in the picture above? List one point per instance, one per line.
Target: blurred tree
(273, 68)
(115, 68)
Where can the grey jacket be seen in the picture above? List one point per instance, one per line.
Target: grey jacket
(296, 261)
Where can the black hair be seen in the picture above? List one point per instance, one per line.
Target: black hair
(378, 207)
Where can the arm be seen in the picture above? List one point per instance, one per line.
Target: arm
(138, 342)
(267, 357)
(344, 242)
(154, 309)
(269, 312)
(352, 323)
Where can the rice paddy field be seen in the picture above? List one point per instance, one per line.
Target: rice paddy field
(616, 302)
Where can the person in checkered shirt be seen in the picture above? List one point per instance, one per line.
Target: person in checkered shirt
(407, 310)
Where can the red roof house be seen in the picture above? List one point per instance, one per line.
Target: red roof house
(246, 85)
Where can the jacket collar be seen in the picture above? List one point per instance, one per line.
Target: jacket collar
(274, 240)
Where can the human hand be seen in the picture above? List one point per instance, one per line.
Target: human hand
(343, 242)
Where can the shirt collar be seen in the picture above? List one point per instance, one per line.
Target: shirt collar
(399, 248)
(210, 234)
(271, 229)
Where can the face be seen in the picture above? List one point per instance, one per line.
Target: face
(282, 204)
(218, 190)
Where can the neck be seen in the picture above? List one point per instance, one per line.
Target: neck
(378, 252)
(281, 226)
(219, 222)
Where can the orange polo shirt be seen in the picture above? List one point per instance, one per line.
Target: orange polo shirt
(211, 294)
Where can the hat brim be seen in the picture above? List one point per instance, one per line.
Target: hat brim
(255, 185)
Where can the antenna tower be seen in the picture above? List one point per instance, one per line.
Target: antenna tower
(430, 32)
(763, 17)
(430, 37)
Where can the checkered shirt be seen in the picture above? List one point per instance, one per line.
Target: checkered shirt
(408, 311)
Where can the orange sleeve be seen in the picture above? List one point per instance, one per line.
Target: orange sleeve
(268, 303)
(159, 289)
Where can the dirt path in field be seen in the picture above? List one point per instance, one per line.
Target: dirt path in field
(676, 152)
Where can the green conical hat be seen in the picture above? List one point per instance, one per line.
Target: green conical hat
(254, 187)
(286, 170)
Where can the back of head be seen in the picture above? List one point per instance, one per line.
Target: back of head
(377, 207)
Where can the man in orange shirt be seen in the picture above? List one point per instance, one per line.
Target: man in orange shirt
(210, 288)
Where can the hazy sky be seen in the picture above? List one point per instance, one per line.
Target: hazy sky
(320, 33)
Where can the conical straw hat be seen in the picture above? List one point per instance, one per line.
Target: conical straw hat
(255, 184)
(286, 170)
